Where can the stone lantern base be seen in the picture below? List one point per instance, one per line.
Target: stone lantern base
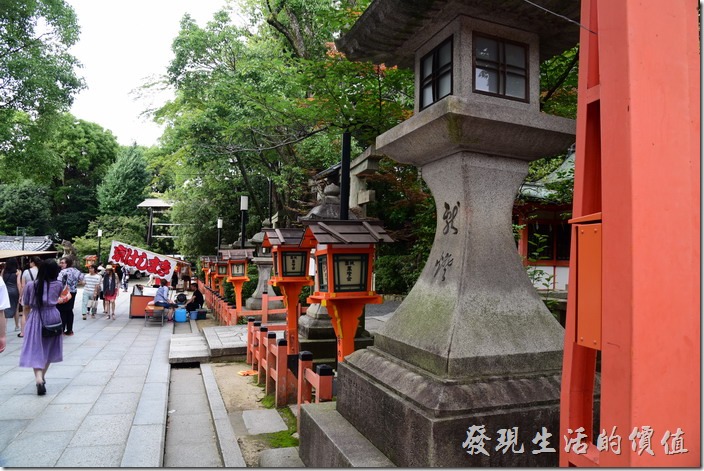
(418, 420)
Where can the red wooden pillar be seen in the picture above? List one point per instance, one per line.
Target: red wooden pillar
(637, 184)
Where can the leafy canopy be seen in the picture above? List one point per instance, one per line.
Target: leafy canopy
(37, 78)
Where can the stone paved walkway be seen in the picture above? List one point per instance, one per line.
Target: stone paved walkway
(105, 404)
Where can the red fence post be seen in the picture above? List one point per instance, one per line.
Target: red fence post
(270, 366)
(251, 324)
(281, 373)
(305, 362)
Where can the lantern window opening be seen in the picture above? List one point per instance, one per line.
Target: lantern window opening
(322, 273)
(436, 74)
(350, 272)
(237, 269)
(275, 266)
(500, 67)
(294, 263)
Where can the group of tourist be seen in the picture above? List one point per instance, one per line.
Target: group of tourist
(39, 299)
(35, 299)
(32, 298)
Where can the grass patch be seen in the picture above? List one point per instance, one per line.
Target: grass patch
(268, 401)
(285, 438)
(282, 439)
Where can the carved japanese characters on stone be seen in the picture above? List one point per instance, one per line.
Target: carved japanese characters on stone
(449, 218)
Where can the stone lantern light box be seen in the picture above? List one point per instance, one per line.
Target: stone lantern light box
(477, 75)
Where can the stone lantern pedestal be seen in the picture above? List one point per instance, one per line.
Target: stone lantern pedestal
(254, 303)
(264, 263)
(471, 359)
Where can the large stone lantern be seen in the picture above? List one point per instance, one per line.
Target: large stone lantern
(472, 345)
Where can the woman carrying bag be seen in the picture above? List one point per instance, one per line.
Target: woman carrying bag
(111, 288)
(39, 301)
(71, 277)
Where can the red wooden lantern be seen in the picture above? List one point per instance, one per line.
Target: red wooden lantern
(344, 256)
(237, 262)
(290, 274)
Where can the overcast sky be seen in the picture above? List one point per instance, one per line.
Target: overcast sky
(121, 44)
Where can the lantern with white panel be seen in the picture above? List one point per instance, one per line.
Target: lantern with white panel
(237, 262)
(290, 274)
(344, 255)
(207, 268)
(221, 271)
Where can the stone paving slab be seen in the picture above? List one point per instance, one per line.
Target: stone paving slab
(226, 340)
(263, 421)
(190, 428)
(280, 458)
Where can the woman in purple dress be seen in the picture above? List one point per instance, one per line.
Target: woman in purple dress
(39, 300)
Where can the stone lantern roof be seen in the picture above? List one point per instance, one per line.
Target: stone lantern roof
(390, 31)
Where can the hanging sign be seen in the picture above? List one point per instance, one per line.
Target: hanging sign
(152, 263)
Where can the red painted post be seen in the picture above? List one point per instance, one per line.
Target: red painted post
(281, 373)
(270, 367)
(291, 292)
(305, 363)
(323, 384)
(261, 354)
(259, 335)
(637, 176)
(250, 338)
(265, 307)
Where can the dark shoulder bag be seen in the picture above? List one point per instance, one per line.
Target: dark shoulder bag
(50, 330)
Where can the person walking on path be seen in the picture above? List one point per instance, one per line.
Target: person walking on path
(30, 274)
(39, 301)
(12, 278)
(125, 278)
(4, 304)
(72, 277)
(90, 291)
(111, 288)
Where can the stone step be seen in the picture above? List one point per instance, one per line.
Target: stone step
(330, 441)
(188, 348)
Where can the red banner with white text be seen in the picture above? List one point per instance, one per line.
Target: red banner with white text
(152, 263)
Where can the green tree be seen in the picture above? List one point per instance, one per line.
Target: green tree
(127, 229)
(25, 204)
(125, 183)
(86, 151)
(268, 103)
(38, 81)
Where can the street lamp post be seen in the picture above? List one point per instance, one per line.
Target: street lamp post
(244, 206)
(100, 235)
(217, 255)
(24, 234)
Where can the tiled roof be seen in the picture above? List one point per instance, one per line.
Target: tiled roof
(236, 254)
(347, 232)
(31, 243)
